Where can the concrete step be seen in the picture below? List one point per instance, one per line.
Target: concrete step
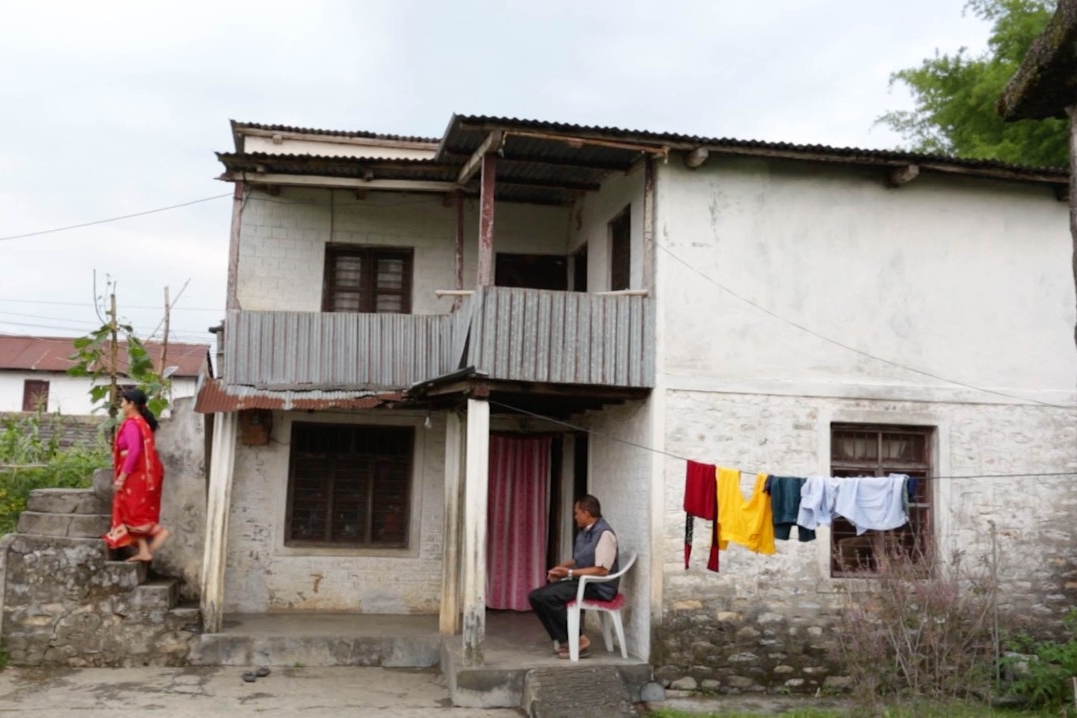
(222, 649)
(72, 525)
(579, 691)
(66, 501)
(160, 594)
(124, 574)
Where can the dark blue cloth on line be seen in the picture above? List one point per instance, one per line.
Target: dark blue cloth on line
(785, 504)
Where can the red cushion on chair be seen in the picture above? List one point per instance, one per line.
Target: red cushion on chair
(614, 603)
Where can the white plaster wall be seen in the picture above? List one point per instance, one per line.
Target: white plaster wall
(589, 225)
(618, 475)
(965, 279)
(282, 242)
(264, 575)
(68, 395)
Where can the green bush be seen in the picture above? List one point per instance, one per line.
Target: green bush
(1043, 674)
(31, 461)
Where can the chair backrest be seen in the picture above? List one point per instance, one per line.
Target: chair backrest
(624, 569)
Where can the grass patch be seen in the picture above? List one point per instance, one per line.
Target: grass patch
(924, 709)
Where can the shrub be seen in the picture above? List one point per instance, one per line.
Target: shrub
(31, 462)
(920, 627)
(1043, 674)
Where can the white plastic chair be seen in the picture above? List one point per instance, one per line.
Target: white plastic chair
(610, 610)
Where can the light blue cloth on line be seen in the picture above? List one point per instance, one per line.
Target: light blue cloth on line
(817, 501)
(874, 503)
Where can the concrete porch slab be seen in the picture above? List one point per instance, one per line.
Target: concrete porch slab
(310, 640)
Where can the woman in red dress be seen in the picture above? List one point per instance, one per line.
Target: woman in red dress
(138, 473)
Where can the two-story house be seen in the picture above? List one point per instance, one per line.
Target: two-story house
(433, 345)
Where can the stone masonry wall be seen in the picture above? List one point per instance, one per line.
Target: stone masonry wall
(771, 622)
(65, 603)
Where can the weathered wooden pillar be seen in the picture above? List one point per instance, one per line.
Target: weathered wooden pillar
(1072, 112)
(218, 504)
(232, 292)
(454, 480)
(486, 220)
(458, 249)
(477, 463)
(648, 224)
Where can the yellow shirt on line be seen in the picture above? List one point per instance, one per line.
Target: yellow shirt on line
(751, 522)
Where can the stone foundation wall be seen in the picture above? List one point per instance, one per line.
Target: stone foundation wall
(62, 602)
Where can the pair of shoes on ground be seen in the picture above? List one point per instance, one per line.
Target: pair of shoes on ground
(252, 676)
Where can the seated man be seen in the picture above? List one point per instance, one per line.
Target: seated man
(595, 554)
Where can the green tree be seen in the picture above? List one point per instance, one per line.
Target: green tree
(97, 355)
(955, 94)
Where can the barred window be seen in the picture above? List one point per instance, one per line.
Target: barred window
(349, 485)
(367, 279)
(860, 450)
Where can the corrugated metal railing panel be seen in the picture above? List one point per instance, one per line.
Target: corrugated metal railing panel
(562, 337)
(338, 350)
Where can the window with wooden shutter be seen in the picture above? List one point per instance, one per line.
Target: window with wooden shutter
(349, 485)
(35, 395)
(367, 279)
(860, 450)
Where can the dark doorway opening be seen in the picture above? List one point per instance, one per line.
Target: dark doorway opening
(533, 271)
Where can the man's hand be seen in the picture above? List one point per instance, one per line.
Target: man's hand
(557, 573)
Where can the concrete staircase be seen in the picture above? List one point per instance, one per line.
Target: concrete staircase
(64, 602)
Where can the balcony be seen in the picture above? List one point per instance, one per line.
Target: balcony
(526, 335)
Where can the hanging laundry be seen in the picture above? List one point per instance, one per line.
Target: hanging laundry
(700, 501)
(874, 503)
(749, 523)
(817, 501)
(784, 494)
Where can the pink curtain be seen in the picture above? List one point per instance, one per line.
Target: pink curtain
(517, 519)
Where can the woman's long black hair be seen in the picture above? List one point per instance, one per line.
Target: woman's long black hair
(138, 398)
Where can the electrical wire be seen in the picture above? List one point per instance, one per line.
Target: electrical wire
(653, 450)
(113, 219)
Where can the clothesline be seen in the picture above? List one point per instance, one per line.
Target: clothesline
(1028, 474)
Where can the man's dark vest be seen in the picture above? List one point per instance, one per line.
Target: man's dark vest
(584, 556)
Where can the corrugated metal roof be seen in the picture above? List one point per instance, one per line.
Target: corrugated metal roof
(214, 396)
(466, 132)
(238, 126)
(52, 354)
(328, 166)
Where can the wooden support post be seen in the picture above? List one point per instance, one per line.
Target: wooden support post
(450, 572)
(477, 462)
(232, 293)
(458, 248)
(486, 221)
(218, 504)
(648, 225)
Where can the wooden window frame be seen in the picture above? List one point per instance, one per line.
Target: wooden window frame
(331, 533)
(368, 291)
(915, 538)
(33, 390)
(621, 250)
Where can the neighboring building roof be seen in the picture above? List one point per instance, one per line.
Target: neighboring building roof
(554, 162)
(1046, 83)
(52, 354)
(238, 127)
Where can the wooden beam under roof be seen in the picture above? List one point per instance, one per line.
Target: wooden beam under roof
(507, 155)
(492, 143)
(341, 182)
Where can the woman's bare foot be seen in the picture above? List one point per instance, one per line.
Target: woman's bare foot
(146, 557)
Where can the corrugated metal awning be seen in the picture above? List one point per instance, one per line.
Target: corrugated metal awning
(215, 396)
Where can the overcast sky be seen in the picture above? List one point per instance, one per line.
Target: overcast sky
(115, 108)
